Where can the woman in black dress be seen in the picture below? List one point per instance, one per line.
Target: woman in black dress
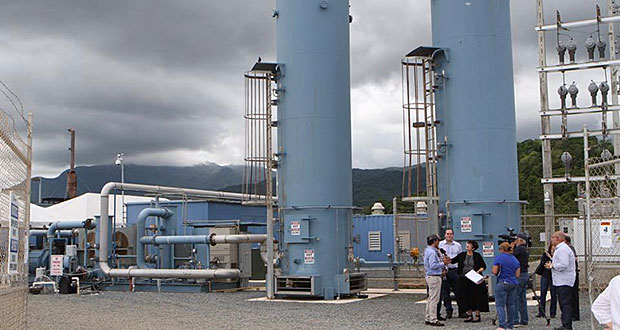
(474, 297)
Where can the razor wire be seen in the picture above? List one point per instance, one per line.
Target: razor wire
(15, 170)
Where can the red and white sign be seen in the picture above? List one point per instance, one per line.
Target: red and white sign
(295, 228)
(56, 265)
(487, 249)
(605, 235)
(465, 224)
(309, 257)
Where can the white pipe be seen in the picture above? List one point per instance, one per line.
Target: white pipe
(175, 273)
(204, 239)
(156, 273)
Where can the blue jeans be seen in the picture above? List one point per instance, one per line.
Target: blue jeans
(522, 299)
(546, 285)
(505, 304)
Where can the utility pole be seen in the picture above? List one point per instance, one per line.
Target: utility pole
(72, 176)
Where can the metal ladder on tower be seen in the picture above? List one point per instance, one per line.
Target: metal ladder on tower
(419, 127)
(431, 141)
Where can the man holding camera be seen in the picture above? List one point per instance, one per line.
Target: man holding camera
(451, 281)
(522, 254)
(434, 265)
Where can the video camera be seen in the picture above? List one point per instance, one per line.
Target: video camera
(511, 237)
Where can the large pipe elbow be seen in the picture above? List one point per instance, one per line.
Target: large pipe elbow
(140, 228)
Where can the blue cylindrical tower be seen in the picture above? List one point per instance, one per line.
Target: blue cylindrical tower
(474, 96)
(314, 147)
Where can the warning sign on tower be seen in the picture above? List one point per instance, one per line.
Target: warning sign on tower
(309, 257)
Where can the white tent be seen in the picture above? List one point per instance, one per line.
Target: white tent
(79, 208)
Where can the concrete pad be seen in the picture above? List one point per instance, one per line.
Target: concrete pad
(318, 301)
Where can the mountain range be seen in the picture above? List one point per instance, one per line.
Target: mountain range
(369, 185)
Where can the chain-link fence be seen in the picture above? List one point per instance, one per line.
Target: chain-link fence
(15, 170)
(534, 225)
(601, 229)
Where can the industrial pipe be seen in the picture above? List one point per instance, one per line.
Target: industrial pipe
(140, 227)
(173, 273)
(62, 233)
(69, 224)
(204, 239)
(155, 273)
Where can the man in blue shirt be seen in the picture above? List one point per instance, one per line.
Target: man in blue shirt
(434, 267)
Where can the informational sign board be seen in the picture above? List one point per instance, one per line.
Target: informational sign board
(543, 236)
(465, 224)
(56, 265)
(309, 257)
(14, 235)
(605, 234)
(295, 228)
(487, 249)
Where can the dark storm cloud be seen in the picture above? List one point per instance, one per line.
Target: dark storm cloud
(152, 77)
(135, 76)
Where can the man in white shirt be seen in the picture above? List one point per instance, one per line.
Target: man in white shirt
(606, 308)
(451, 281)
(563, 275)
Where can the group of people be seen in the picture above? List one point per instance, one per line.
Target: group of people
(547, 283)
(451, 270)
(446, 266)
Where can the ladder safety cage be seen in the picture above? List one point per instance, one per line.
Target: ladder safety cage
(419, 123)
(260, 99)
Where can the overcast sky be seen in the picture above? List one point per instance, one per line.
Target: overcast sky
(162, 81)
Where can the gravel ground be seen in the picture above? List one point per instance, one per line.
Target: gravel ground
(123, 310)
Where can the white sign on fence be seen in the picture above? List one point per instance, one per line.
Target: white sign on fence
(605, 234)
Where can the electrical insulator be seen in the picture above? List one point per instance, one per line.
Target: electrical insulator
(571, 46)
(606, 155)
(567, 159)
(563, 91)
(573, 91)
(561, 48)
(593, 89)
(590, 46)
(604, 90)
(601, 44)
